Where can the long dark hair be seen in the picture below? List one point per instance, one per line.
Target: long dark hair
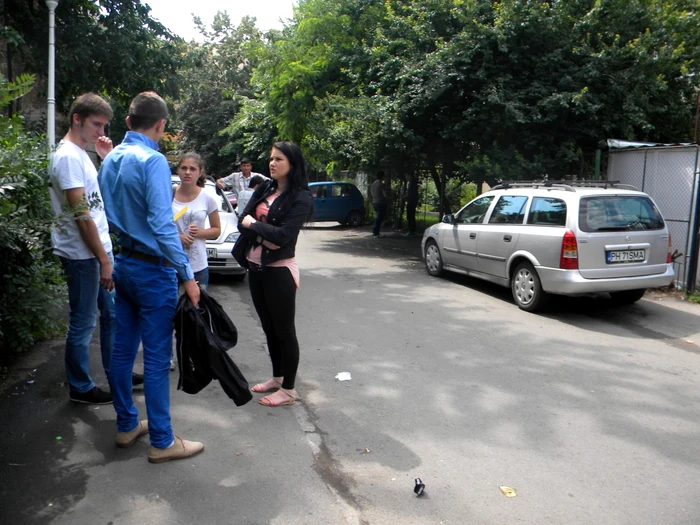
(297, 179)
(197, 158)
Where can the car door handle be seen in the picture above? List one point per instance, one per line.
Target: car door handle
(507, 238)
(472, 235)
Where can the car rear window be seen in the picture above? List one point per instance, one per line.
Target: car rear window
(545, 211)
(619, 213)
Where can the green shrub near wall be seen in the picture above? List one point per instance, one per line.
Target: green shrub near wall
(32, 294)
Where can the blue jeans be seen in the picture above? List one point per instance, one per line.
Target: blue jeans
(202, 277)
(85, 297)
(145, 306)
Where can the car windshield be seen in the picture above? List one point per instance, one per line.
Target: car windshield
(619, 213)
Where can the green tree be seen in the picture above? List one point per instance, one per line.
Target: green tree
(321, 55)
(31, 294)
(470, 89)
(111, 47)
(215, 83)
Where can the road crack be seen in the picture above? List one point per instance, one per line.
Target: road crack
(326, 466)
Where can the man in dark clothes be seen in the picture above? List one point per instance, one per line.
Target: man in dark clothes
(380, 201)
(411, 204)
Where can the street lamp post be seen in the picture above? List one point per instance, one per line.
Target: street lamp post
(51, 109)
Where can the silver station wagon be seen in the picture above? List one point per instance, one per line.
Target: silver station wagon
(568, 238)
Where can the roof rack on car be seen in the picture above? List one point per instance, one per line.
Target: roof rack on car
(566, 185)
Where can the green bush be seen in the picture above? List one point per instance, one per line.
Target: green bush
(31, 290)
(458, 193)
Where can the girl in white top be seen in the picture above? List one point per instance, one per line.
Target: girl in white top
(199, 206)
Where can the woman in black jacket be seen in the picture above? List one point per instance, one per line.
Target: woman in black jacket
(269, 227)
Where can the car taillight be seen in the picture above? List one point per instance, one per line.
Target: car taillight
(669, 258)
(569, 252)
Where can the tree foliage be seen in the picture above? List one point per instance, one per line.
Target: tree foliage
(215, 79)
(473, 88)
(111, 47)
(30, 287)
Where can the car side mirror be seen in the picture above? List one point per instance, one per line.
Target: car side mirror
(448, 219)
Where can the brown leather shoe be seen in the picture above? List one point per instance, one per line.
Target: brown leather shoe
(181, 449)
(126, 439)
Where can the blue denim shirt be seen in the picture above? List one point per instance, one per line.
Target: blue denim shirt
(137, 193)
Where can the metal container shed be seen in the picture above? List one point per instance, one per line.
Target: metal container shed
(669, 174)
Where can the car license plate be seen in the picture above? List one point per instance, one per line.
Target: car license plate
(211, 253)
(624, 256)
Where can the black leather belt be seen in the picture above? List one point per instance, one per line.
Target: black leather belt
(152, 259)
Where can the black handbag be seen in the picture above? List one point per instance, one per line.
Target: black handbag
(240, 250)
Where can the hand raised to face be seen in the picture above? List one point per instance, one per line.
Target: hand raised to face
(103, 146)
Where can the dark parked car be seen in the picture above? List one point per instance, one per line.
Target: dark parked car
(338, 201)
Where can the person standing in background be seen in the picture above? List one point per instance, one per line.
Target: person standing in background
(379, 192)
(245, 195)
(136, 186)
(198, 205)
(239, 180)
(411, 204)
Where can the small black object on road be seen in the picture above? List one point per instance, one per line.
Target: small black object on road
(419, 488)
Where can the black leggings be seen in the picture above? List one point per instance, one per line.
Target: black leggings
(274, 295)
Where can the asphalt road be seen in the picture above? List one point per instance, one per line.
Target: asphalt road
(589, 412)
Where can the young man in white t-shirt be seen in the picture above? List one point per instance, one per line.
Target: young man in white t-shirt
(80, 238)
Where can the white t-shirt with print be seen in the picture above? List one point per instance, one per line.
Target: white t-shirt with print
(70, 167)
(197, 213)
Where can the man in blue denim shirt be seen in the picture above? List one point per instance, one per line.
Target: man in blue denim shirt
(137, 192)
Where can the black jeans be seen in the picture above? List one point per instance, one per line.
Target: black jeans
(380, 210)
(274, 295)
(411, 216)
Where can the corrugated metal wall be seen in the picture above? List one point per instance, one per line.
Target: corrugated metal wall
(669, 175)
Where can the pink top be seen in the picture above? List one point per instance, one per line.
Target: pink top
(255, 253)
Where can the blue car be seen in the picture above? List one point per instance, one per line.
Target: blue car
(338, 201)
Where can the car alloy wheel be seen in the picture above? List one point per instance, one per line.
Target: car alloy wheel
(527, 289)
(433, 260)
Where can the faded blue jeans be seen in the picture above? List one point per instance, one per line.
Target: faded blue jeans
(202, 277)
(85, 297)
(145, 306)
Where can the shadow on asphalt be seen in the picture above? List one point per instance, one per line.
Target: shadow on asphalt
(359, 241)
(517, 375)
(36, 442)
(510, 379)
(674, 326)
(645, 319)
